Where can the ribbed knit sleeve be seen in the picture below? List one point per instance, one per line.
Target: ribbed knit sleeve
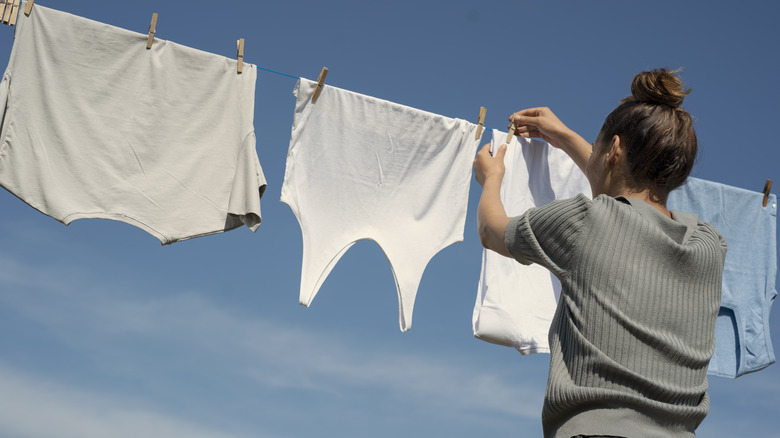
(546, 235)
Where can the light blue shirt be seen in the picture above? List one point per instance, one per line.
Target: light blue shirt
(742, 343)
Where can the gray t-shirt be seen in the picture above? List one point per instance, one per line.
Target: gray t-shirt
(633, 332)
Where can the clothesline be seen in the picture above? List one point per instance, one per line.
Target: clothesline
(279, 73)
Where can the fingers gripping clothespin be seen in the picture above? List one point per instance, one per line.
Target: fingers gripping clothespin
(320, 83)
(152, 30)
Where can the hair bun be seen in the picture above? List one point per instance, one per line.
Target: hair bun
(660, 87)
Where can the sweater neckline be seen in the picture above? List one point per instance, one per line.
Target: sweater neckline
(679, 227)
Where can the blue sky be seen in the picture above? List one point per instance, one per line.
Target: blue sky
(104, 332)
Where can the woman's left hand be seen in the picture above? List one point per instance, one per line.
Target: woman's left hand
(487, 166)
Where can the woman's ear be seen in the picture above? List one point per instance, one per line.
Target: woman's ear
(615, 153)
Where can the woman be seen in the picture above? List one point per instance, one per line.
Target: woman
(633, 332)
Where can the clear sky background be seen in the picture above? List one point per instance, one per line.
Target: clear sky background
(106, 333)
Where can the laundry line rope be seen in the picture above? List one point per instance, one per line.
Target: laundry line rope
(279, 73)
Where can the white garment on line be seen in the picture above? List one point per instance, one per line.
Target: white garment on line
(364, 168)
(515, 303)
(97, 126)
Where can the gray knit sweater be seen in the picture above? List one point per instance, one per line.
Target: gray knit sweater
(634, 329)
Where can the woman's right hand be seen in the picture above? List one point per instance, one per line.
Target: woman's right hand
(541, 123)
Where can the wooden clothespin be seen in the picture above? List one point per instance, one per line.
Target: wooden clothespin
(28, 8)
(9, 6)
(320, 82)
(14, 12)
(152, 30)
(480, 122)
(2, 11)
(511, 132)
(767, 188)
(240, 47)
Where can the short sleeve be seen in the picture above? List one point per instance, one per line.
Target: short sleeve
(547, 235)
(721, 240)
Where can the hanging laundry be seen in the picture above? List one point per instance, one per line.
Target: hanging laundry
(364, 168)
(97, 126)
(742, 343)
(515, 303)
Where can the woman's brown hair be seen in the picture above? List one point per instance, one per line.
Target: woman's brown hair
(658, 134)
